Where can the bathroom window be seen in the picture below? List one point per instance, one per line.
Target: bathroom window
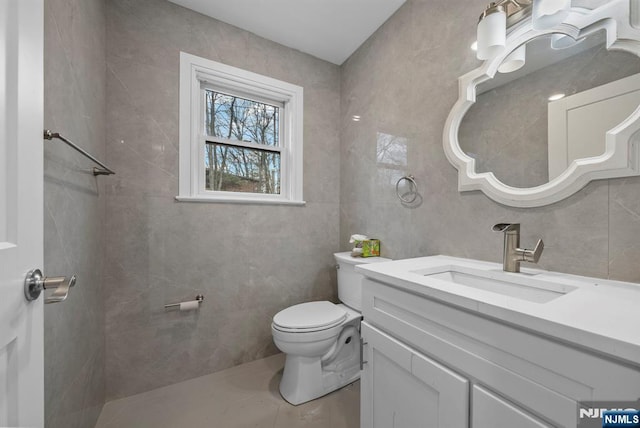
(240, 135)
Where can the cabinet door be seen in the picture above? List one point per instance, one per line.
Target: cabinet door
(402, 388)
(490, 411)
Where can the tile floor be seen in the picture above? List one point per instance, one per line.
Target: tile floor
(245, 396)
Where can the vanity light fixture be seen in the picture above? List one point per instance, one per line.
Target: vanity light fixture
(556, 97)
(356, 118)
(549, 13)
(493, 24)
(514, 61)
(492, 31)
(563, 41)
(503, 14)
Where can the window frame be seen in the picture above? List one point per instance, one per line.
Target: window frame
(199, 74)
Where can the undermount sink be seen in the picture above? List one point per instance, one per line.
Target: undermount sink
(553, 304)
(519, 285)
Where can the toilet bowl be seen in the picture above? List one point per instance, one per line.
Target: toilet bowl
(321, 339)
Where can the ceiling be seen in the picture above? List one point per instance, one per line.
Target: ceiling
(328, 29)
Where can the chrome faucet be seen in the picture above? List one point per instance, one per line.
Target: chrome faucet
(513, 254)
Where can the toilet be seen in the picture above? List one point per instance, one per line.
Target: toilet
(321, 340)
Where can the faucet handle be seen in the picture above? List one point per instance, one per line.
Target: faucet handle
(506, 227)
(533, 256)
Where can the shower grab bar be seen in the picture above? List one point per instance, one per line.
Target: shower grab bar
(49, 135)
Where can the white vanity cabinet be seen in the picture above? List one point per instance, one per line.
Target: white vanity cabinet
(433, 364)
(402, 388)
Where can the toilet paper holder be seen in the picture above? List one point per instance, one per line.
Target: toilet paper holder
(199, 299)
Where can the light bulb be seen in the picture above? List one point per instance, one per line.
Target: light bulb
(514, 61)
(549, 13)
(492, 33)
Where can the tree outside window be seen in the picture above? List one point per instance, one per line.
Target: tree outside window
(243, 151)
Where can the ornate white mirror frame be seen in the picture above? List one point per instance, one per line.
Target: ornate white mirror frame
(621, 157)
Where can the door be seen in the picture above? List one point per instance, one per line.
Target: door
(21, 221)
(578, 123)
(491, 411)
(401, 388)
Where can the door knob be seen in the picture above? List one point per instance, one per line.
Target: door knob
(35, 282)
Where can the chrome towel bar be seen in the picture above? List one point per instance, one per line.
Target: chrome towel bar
(49, 135)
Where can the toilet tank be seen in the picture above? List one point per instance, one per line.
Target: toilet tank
(349, 281)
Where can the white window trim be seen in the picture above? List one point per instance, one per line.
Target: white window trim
(196, 71)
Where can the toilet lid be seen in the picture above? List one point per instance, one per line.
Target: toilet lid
(312, 315)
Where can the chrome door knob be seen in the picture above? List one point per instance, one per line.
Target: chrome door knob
(35, 282)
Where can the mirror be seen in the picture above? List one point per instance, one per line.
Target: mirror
(507, 130)
(555, 110)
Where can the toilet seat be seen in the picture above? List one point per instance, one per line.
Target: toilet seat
(309, 317)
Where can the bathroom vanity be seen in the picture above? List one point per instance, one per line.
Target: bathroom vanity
(452, 342)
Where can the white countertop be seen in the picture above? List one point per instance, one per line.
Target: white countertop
(599, 314)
